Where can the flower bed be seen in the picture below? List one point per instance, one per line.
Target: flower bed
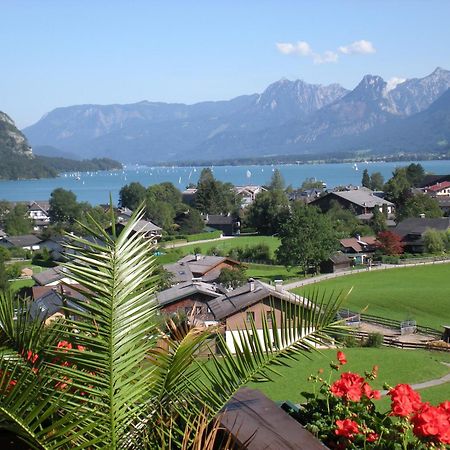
(343, 414)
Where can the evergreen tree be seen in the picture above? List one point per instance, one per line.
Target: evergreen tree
(366, 179)
(376, 181)
(415, 173)
(378, 221)
(277, 181)
(191, 222)
(307, 238)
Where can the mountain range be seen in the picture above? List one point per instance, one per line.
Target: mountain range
(289, 117)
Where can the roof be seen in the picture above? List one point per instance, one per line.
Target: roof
(39, 205)
(358, 244)
(219, 219)
(362, 197)
(181, 272)
(439, 186)
(145, 226)
(26, 240)
(50, 275)
(48, 304)
(187, 289)
(420, 225)
(247, 295)
(339, 257)
(258, 423)
(429, 180)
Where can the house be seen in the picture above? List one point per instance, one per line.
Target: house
(49, 304)
(362, 202)
(191, 298)
(55, 247)
(188, 196)
(53, 276)
(150, 231)
(26, 241)
(430, 180)
(206, 268)
(439, 189)
(338, 262)
(359, 248)
(305, 195)
(228, 224)
(412, 231)
(38, 212)
(246, 304)
(248, 193)
(209, 304)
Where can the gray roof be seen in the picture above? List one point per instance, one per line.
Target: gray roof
(39, 205)
(181, 272)
(186, 289)
(50, 275)
(362, 197)
(244, 296)
(218, 219)
(26, 240)
(419, 226)
(50, 303)
(145, 226)
(339, 257)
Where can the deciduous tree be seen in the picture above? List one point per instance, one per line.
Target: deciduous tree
(132, 195)
(390, 243)
(17, 221)
(63, 206)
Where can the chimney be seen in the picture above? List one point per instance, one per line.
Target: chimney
(278, 285)
(251, 284)
(198, 256)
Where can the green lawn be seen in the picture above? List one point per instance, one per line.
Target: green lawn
(267, 272)
(172, 255)
(395, 366)
(421, 293)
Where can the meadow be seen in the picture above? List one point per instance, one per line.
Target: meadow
(421, 293)
(395, 366)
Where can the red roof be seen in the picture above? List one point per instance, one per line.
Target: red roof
(439, 186)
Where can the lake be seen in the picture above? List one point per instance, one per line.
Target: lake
(96, 187)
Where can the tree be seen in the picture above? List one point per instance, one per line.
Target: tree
(232, 278)
(378, 221)
(63, 206)
(419, 204)
(161, 213)
(366, 179)
(415, 173)
(191, 222)
(376, 181)
(17, 221)
(132, 195)
(268, 212)
(311, 183)
(390, 243)
(118, 379)
(307, 238)
(398, 188)
(213, 196)
(277, 182)
(434, 242)
(344, 221)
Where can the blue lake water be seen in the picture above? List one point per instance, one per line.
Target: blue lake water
(96, 187)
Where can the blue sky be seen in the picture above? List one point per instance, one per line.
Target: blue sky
(61, 52)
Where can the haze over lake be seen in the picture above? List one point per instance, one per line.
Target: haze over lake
(96, 187)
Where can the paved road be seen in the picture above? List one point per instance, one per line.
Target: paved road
(328, 276)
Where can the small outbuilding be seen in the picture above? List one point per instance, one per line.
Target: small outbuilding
(339, 262)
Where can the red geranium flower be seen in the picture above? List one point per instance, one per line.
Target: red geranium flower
(432, 422)
(372, 437)
(369, 393)
(346, 428)
(349, 386)
(405, 400)
(341, 358)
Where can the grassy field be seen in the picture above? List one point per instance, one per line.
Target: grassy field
(395, 366)
(172, 255)
(421, 293)
(268, 272)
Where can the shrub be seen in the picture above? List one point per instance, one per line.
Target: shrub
(374, 340)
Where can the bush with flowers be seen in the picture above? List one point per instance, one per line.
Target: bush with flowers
(343, 415)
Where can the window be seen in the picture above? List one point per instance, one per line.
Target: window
(188, 310)
(269, 316)
(250, 316)
(198, 310)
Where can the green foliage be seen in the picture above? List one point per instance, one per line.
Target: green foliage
(258, 252)
(376, 181)
(192, 223)
(215, 197)
(132, 195)
(419, 204)
(5, 254)
(365, 181)
(307, 238)
(203, 236)
(268, 212)
(374, 340)
(17, 221)
(232, 278)
(398, 187)
(63, 206)
(13, 270)
(415, 174)
(435, 242)
(311, 183)
(378, 221)
(87, 165)
(344, 221)
(277, 181)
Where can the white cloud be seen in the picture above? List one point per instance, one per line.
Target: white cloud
(301, 48)
(326, 57)
(394, 82)
(361, 47)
